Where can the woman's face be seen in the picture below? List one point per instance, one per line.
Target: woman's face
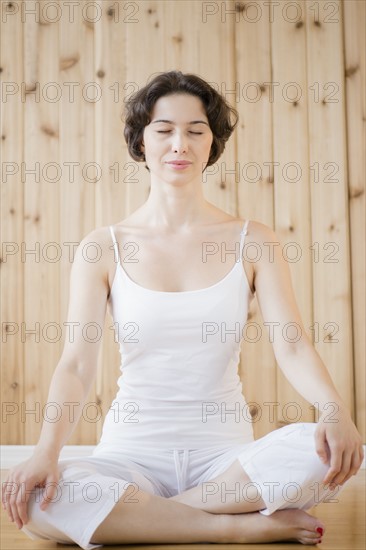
(178, 131)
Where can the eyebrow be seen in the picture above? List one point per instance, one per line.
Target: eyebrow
(188, 123)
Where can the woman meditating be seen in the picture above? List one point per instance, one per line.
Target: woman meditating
(177, 461)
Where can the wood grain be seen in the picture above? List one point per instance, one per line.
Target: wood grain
(355, 107)
(117, 53)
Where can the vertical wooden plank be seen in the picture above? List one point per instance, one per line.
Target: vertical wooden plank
(117, 168)
(355, 78)
(11, 266)
(42, 346)
(110, 76)
(291, 184)
(180, 27)
(329, 194)
(77, 160)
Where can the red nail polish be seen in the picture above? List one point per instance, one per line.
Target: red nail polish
(320, 531)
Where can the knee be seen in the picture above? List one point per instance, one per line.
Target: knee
(34, 512)
(314, 469)
(40, 525)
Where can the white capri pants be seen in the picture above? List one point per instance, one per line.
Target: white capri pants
(283, 466)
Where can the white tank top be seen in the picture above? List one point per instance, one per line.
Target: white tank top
(179, 385)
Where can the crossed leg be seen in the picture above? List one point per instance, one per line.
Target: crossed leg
(185, 518)
(212, 512)
(224, 493)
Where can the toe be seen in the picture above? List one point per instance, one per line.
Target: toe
(309, 537)
(310, 541)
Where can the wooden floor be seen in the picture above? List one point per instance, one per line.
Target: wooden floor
(344, 521)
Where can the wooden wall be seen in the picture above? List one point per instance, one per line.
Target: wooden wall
(296, 74)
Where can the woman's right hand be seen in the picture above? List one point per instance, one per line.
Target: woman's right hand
(41, 470)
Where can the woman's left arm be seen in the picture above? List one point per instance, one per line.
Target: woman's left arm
(337, 440)
(336, 437)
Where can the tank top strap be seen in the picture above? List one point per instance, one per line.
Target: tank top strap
(243, 232)
(115, 244)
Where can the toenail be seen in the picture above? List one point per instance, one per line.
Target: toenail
(320, 531)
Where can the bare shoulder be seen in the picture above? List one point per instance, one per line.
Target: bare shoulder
(96, 252)
(263, 238)
(97, 245)
(99, 235)
(260, 231)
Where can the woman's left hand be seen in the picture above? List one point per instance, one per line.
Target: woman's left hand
(338, 443)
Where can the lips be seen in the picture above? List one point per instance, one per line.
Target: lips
(179, 162)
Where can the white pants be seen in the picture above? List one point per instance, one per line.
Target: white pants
(283, 466)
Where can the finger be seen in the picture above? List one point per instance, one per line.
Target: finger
(6, 490)
(14, 510)
(3, 493)
(49, 493)
(19, 503)
(340, 478)
(10, 492)
(15, 500)
(3, 486)
(321, 447)
(354, 467)
(9, 510)
(359, 460)
(335, 466)
(362, 456)
(22, 509)
(22, 501)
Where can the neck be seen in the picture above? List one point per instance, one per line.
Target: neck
(175, 208)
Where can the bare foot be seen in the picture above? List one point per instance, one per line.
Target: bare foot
(291, 525)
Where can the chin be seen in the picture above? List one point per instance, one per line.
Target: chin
(174, 179)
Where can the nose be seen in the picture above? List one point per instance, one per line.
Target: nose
(179, 143)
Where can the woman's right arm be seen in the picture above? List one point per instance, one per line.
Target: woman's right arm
(71, 381)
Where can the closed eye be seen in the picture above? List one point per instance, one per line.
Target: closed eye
(167, 132)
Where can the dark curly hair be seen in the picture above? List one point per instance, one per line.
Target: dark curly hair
(138, 109)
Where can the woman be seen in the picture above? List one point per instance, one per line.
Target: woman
(177, 462)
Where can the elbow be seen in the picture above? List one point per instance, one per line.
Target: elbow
(288, 351)
(78, 371)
